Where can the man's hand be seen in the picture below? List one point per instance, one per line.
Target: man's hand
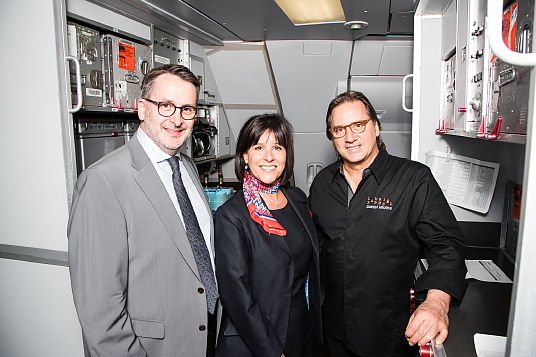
(430, 319)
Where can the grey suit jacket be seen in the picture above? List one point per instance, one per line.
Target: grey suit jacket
(135, 282)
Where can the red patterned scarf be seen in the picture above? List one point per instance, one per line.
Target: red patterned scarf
(256, 207)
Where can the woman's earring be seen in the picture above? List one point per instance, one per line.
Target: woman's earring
(247, 167)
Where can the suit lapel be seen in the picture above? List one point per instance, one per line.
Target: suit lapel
(150, 183)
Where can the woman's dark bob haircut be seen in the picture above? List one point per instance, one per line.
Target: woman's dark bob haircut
(252, 131)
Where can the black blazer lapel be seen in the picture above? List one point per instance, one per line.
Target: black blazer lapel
(300, 206)
(280, 241)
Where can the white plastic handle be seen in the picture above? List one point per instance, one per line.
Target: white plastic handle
(404, 93)
(494, 34)
(78, 84)
(312, 169)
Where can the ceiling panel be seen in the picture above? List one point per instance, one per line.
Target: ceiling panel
(258, 20)
(401, 23)
(211, 22)
(403, 5)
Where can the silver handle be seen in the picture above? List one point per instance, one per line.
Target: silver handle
(404, 93)
(438, 350)
(432, 349)
(78, 84)
(312, 169)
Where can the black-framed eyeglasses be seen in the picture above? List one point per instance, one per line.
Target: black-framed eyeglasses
(357, 127)
(167, 109)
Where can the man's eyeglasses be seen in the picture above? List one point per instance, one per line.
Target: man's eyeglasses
(357, 127)
(167, 109)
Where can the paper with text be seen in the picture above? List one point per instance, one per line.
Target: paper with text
(466, 182)
(483, 270)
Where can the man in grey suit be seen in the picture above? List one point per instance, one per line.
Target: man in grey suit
(138, 289)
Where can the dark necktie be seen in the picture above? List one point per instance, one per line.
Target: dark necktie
(195, 237)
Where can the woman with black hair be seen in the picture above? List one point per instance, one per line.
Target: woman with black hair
(267, 263)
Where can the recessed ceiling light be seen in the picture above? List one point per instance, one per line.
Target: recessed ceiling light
(355, 25)
(310, 12)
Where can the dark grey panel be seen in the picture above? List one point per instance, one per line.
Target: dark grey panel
(401, 23)
(34, 255)
(174, 17)
(436, 7)
(403, 5)
(263, 20)
(210, 22)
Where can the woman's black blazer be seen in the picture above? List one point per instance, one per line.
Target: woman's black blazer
(255, 272)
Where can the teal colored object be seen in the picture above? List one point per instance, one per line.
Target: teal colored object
(217, 197)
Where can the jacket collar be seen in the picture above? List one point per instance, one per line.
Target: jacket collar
(378, 167)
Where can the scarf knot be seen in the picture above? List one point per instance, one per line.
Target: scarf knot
(258, 211)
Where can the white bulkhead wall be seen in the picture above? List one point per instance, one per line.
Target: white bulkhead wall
(36, 307)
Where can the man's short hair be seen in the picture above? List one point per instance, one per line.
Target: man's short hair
(175, 69)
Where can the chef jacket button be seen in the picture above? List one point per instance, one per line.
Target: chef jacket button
(200, 290)
(202, 327)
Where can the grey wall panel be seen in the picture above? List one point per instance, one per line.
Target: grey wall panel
(242, 73)
(385, 94)
(397, 143)
(396, 61)
(307, 82)
(448, 31)
(311, 148)
(382, 57)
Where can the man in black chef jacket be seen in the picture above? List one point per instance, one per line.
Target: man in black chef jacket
(375, 211)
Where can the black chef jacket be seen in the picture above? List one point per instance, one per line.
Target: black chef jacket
(371, 250)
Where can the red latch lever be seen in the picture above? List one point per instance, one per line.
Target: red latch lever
(482, 129)
(496, 132)
(441, 126)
